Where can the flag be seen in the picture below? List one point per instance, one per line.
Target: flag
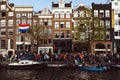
(23, 27)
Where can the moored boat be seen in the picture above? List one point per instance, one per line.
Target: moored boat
(25, 64)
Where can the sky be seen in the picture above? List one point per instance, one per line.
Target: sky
(39, 4)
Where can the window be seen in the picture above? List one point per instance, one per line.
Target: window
(102, 35)
(119, 15)
(3, 23)
(49, 41)
(101, 24)
(2, 32)
(96, 35)
(29, 22)
(95, 13)
(3, 7)
(75, 13)
(67, 34)
(56, 15)
(81, 13)
(61, 24)
(23, 14)
(10, 14)
(49, 31)
(41, 22)
(107, 13)
(61, 34)
(56, 25)
(18, 15)
(49, 22)
(61, 14)
(10, 22)
(3, 14)
(29, 15)
(67, 14)
(107, 24)
(45, 41)
(56, 34)
(116, 21)
(67, 24)
(10, 32)
(108, 35)
(46, 23)
(17, 21)
(101, 13)
(23, 21)
(3, 43)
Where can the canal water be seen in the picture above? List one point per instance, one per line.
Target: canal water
(58, 74)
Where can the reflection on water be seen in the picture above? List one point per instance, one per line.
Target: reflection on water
(58, 74)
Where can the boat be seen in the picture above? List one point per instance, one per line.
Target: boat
(56, 65)
(115, 66)
(92, 68)
(25, 64)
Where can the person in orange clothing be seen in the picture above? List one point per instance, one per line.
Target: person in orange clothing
(81, 56)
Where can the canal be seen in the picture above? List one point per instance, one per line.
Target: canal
(58, 74)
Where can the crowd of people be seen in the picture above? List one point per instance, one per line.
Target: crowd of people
(73, 57)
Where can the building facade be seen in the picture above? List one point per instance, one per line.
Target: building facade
(7, 26)
(81, 28)
(102, 28)
(62, 26)
(116, 21)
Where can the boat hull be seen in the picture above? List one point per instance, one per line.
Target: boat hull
(34, 66)
(92, 68)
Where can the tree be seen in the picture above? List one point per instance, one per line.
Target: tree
(36, 33)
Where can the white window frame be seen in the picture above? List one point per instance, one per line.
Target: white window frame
(3, 7)
(56, 25)
(67, 24)
(95, 13)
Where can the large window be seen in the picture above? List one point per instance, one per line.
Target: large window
(56, 25)
(67, 24)
(95, 13)
(49, 22)
(3, 43)
(108, 35)
(56, 15)
(10, 22)
(107, 13)
(67, 14)
(62, 25)
(41, 22)
(67, 34)
(29, 22)
(3, 7)
(17, 21)
(107, 24)
(61, 34)
(81, 13)
(2, 32)
(29, 15)
(56, 34)
(2, 23)
(10, 31)
(101, 13)
(75, 13)
(62, 14)
(10, 14)
(18, 15)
